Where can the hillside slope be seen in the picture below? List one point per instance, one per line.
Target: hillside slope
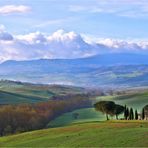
(95, 134)
(12, 92)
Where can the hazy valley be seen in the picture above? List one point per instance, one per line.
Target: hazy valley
(108, 70)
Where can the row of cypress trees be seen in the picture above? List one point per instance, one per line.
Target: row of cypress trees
(130, 114)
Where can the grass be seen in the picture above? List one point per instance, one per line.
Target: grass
(93, 134)
(85, 115)
(16, 98)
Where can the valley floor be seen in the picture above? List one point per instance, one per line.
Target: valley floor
(92, 134)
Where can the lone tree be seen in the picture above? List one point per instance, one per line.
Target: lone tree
(109, 108)
(106, 107)
(136, 115)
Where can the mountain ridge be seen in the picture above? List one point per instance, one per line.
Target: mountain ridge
(113, 56)
(107, 69)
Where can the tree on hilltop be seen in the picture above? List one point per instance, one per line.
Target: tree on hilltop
(106, 107)
(109, 108)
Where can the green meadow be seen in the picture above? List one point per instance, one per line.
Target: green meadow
(92, 134)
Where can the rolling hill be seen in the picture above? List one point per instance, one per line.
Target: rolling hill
(87, 130)
(12, 92)
(93, 134)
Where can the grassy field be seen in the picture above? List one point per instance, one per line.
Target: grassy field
(85, 115)
(16, 98)
(93, 134)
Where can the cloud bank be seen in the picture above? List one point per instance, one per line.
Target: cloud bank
(61, 44)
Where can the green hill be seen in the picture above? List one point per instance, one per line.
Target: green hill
(15, 98)
(12, 92)
(94, 134)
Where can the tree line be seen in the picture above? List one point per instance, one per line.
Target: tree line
(26, 117)
(109, 108)
(130, 114)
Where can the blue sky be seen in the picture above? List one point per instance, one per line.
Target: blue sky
(124, 19)
(32, 29)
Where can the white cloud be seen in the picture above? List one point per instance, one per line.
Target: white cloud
(125, 46)
(39, 45)
(9, 9)
(61, 44)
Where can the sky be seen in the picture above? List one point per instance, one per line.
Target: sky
(32, 29)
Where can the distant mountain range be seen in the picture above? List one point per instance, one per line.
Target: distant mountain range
(100, 70)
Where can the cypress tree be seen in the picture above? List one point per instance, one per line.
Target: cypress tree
(125, 112)
(136, 115)
(143, 114)
(131, 114)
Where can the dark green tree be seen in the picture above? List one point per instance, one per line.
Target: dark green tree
(136, 115)
(109, 108)
(143, 114)
(127, 110)
(126, 113)
(106, 107)
(131, 114)
(119, 109)
(125, 117)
